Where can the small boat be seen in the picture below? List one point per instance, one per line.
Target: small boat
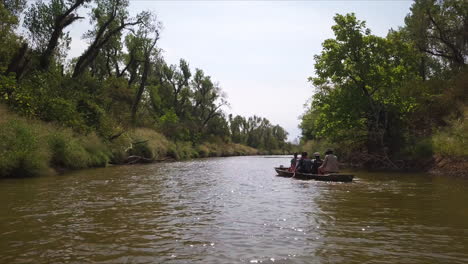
(334, 177)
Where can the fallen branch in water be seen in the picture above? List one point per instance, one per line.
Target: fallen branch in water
(137, 159)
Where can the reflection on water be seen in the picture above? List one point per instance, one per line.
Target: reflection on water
(231, 210)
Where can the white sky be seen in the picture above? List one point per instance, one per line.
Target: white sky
(261, 53)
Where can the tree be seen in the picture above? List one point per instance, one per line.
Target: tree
(110, 18)
(440, 28)
(178, 80)
(46, 23)
(207, 97)
(238, 129)
(148, 35)
(357, 74)
(11, 57)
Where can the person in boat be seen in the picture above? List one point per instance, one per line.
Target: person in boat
(305, 164)
(294, 161)
(316, 163)
(330, 163)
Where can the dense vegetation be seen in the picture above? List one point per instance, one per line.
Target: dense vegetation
(397, 100)
(118, 98)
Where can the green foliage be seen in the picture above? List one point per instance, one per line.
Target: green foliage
(452, 141)
(356, 77)
(184, 150)
(72, 152)
(373, 94)
(7, 87)
(258, 133)
(142, 149)
(67, 152)
(10, 11)
(203, 151)
(420, 149)
(119, 148)
(148, 143)
(169, 118)
(21, 152)
(40, 21)
(312, 146)
(224, 150)
(30, 147)
(439, 29)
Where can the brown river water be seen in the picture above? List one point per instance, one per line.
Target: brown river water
(231, 210)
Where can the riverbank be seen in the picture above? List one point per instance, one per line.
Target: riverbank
(437, 165)
(31, 147)
(450, 167)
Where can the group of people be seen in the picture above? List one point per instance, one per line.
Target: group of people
(315, 166)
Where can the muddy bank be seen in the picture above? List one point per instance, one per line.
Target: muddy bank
(456, 167)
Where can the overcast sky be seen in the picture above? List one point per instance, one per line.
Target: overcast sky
(261, 53)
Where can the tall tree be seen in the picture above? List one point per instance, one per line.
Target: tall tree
(207, 97)
(177, 78)
(148, 34)
(46, 23)
(357, 74)
(110, 18)
(440, 28)
(12, 57)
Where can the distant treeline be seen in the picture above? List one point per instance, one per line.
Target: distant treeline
(390, 101)
(119, 83)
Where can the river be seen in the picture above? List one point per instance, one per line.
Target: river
(231, 210)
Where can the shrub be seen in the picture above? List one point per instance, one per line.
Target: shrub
(172, 151)
(72, 152)
(224, 149)
(148, 143)
(119, 148)
(185, 150)
(453, 140)
(203, 151)
(21, 152)
(142, 148)
(66, 151)
(99, 154)
(421, 149)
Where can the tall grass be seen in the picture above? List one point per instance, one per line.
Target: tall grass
(77, 152)
(453, 140)
(21, 150)
(224, 149)
(148, 143)
(31, 147)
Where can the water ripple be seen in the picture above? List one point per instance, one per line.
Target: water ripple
(230, 210)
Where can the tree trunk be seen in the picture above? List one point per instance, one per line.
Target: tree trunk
(61, 22)
(19, 62)
(141, 89)
(101, 40)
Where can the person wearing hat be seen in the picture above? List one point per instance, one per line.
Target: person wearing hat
(330, 163)
(316, 163)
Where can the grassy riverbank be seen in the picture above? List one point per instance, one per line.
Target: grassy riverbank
(444, 152)
(32, 147)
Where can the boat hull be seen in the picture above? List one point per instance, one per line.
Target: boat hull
(333, 177)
